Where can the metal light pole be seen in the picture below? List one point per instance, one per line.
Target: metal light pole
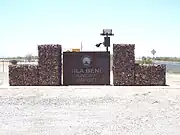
(106, 33)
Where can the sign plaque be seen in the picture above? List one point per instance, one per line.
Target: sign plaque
(86, 68)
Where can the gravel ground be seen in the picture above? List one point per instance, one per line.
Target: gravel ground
(90, 110)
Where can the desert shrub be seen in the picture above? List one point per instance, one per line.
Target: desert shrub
(145, 61)
(13, 62)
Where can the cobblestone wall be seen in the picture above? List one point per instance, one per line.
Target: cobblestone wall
(23, 75)
(126, 72)
(123, 64)
(158, 75)
(49, 65)
(46, 73)
(150, 75)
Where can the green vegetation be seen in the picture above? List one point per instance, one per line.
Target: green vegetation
(145, 61)
(28, 57)
(20, 57)
(172, 59)
(14, 62)
(173, 72)
(149, 60)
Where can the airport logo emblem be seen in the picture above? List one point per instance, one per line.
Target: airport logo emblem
(86, 60)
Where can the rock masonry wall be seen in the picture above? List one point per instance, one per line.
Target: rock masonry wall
(142, 75)
(49, 65)
(150, 75)
(23, 75)
(46, 73)
(127, 72)
(123, 64)
(158, 75)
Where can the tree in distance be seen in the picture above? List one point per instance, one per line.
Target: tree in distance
(29, 57)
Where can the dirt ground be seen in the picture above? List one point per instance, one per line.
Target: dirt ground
(91, 110)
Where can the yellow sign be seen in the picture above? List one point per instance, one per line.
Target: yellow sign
(75, 50)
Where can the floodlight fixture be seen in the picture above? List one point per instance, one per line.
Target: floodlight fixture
(107, 41)
(98, 45)
(107, 32)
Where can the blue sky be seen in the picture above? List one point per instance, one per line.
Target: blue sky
(150, 24)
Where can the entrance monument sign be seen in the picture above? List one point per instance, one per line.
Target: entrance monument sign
(86, 68)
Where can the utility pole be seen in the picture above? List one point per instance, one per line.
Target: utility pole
(81, 46)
